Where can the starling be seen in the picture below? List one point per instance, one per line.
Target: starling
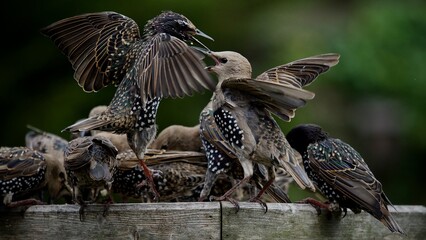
(180, 138)
(106, 48)
(241, 110)
(341, 174)
(51, 146)
(46, 143)
(176, 174)
(90, 163)
(222, 160)
(24, 172)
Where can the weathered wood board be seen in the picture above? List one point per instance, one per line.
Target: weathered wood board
(124, 221)
(301, 221)
(211, 220)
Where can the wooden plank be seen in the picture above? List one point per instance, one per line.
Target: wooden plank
(300, 221)
(124, 221)
(202, 221)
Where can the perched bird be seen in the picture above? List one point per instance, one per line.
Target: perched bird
(46, 143)
(51, 146)
(176, 174)
(180, 138)
(240, 111)
(106, 48)
(90, 163)
(341, 174)
(222, 160)
(24, 172)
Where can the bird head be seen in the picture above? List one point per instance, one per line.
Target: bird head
(176, 25)
(229, 65)
(302, 135)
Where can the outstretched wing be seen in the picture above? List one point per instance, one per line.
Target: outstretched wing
(280, 89)
(168, 67)
(302, 72)
(95, 44)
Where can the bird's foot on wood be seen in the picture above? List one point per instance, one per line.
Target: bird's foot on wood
(329, 208)
(107, 204)
(81, 212)
(318, 205)
(25, 203)
(260, 201)
(225, 197)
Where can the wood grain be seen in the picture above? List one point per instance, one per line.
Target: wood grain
(210, 220)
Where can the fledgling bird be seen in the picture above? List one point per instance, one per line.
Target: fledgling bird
(241, 110)
(119, 140)
(45, 142)
(176, 174)
(90, 163)
(341, 174)
(106, 48)
(50, 145)
(24, 172)
(179, 138)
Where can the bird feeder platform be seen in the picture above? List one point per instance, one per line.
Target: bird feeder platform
(202, 220)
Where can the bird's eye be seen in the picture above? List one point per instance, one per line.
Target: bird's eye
(223, 60)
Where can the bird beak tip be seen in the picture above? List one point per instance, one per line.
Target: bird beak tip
(200, 33)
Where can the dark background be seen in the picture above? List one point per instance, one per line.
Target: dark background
(373, 99)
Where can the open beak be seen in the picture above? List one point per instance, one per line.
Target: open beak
(209, 53)
(199, 33)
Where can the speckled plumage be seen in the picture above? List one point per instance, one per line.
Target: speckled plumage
(176, 174)
(241, 108)
(223, 161)
(341, 174)
(24, 171)
(106, 48)
(90, 163)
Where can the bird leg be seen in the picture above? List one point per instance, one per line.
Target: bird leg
(151, 183)
(107, 204)
(227, 195)
(258, 199)
(318, 205)
(26, 202)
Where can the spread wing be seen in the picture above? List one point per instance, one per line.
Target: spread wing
(95, 44)
(168, 67)
(280, 89)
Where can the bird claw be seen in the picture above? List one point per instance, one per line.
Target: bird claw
(227, 198)
(260, 201)
(25, 203)
(81, 212)
(315, 204)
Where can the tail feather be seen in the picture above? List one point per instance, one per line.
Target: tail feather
(87, 125)
(389, 221)
(278, 194)
(293, 168)
(393, 226)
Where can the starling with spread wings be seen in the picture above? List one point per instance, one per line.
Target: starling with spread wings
(241, 111)
(106, 48)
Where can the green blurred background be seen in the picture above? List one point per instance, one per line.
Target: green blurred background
(373, 99)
